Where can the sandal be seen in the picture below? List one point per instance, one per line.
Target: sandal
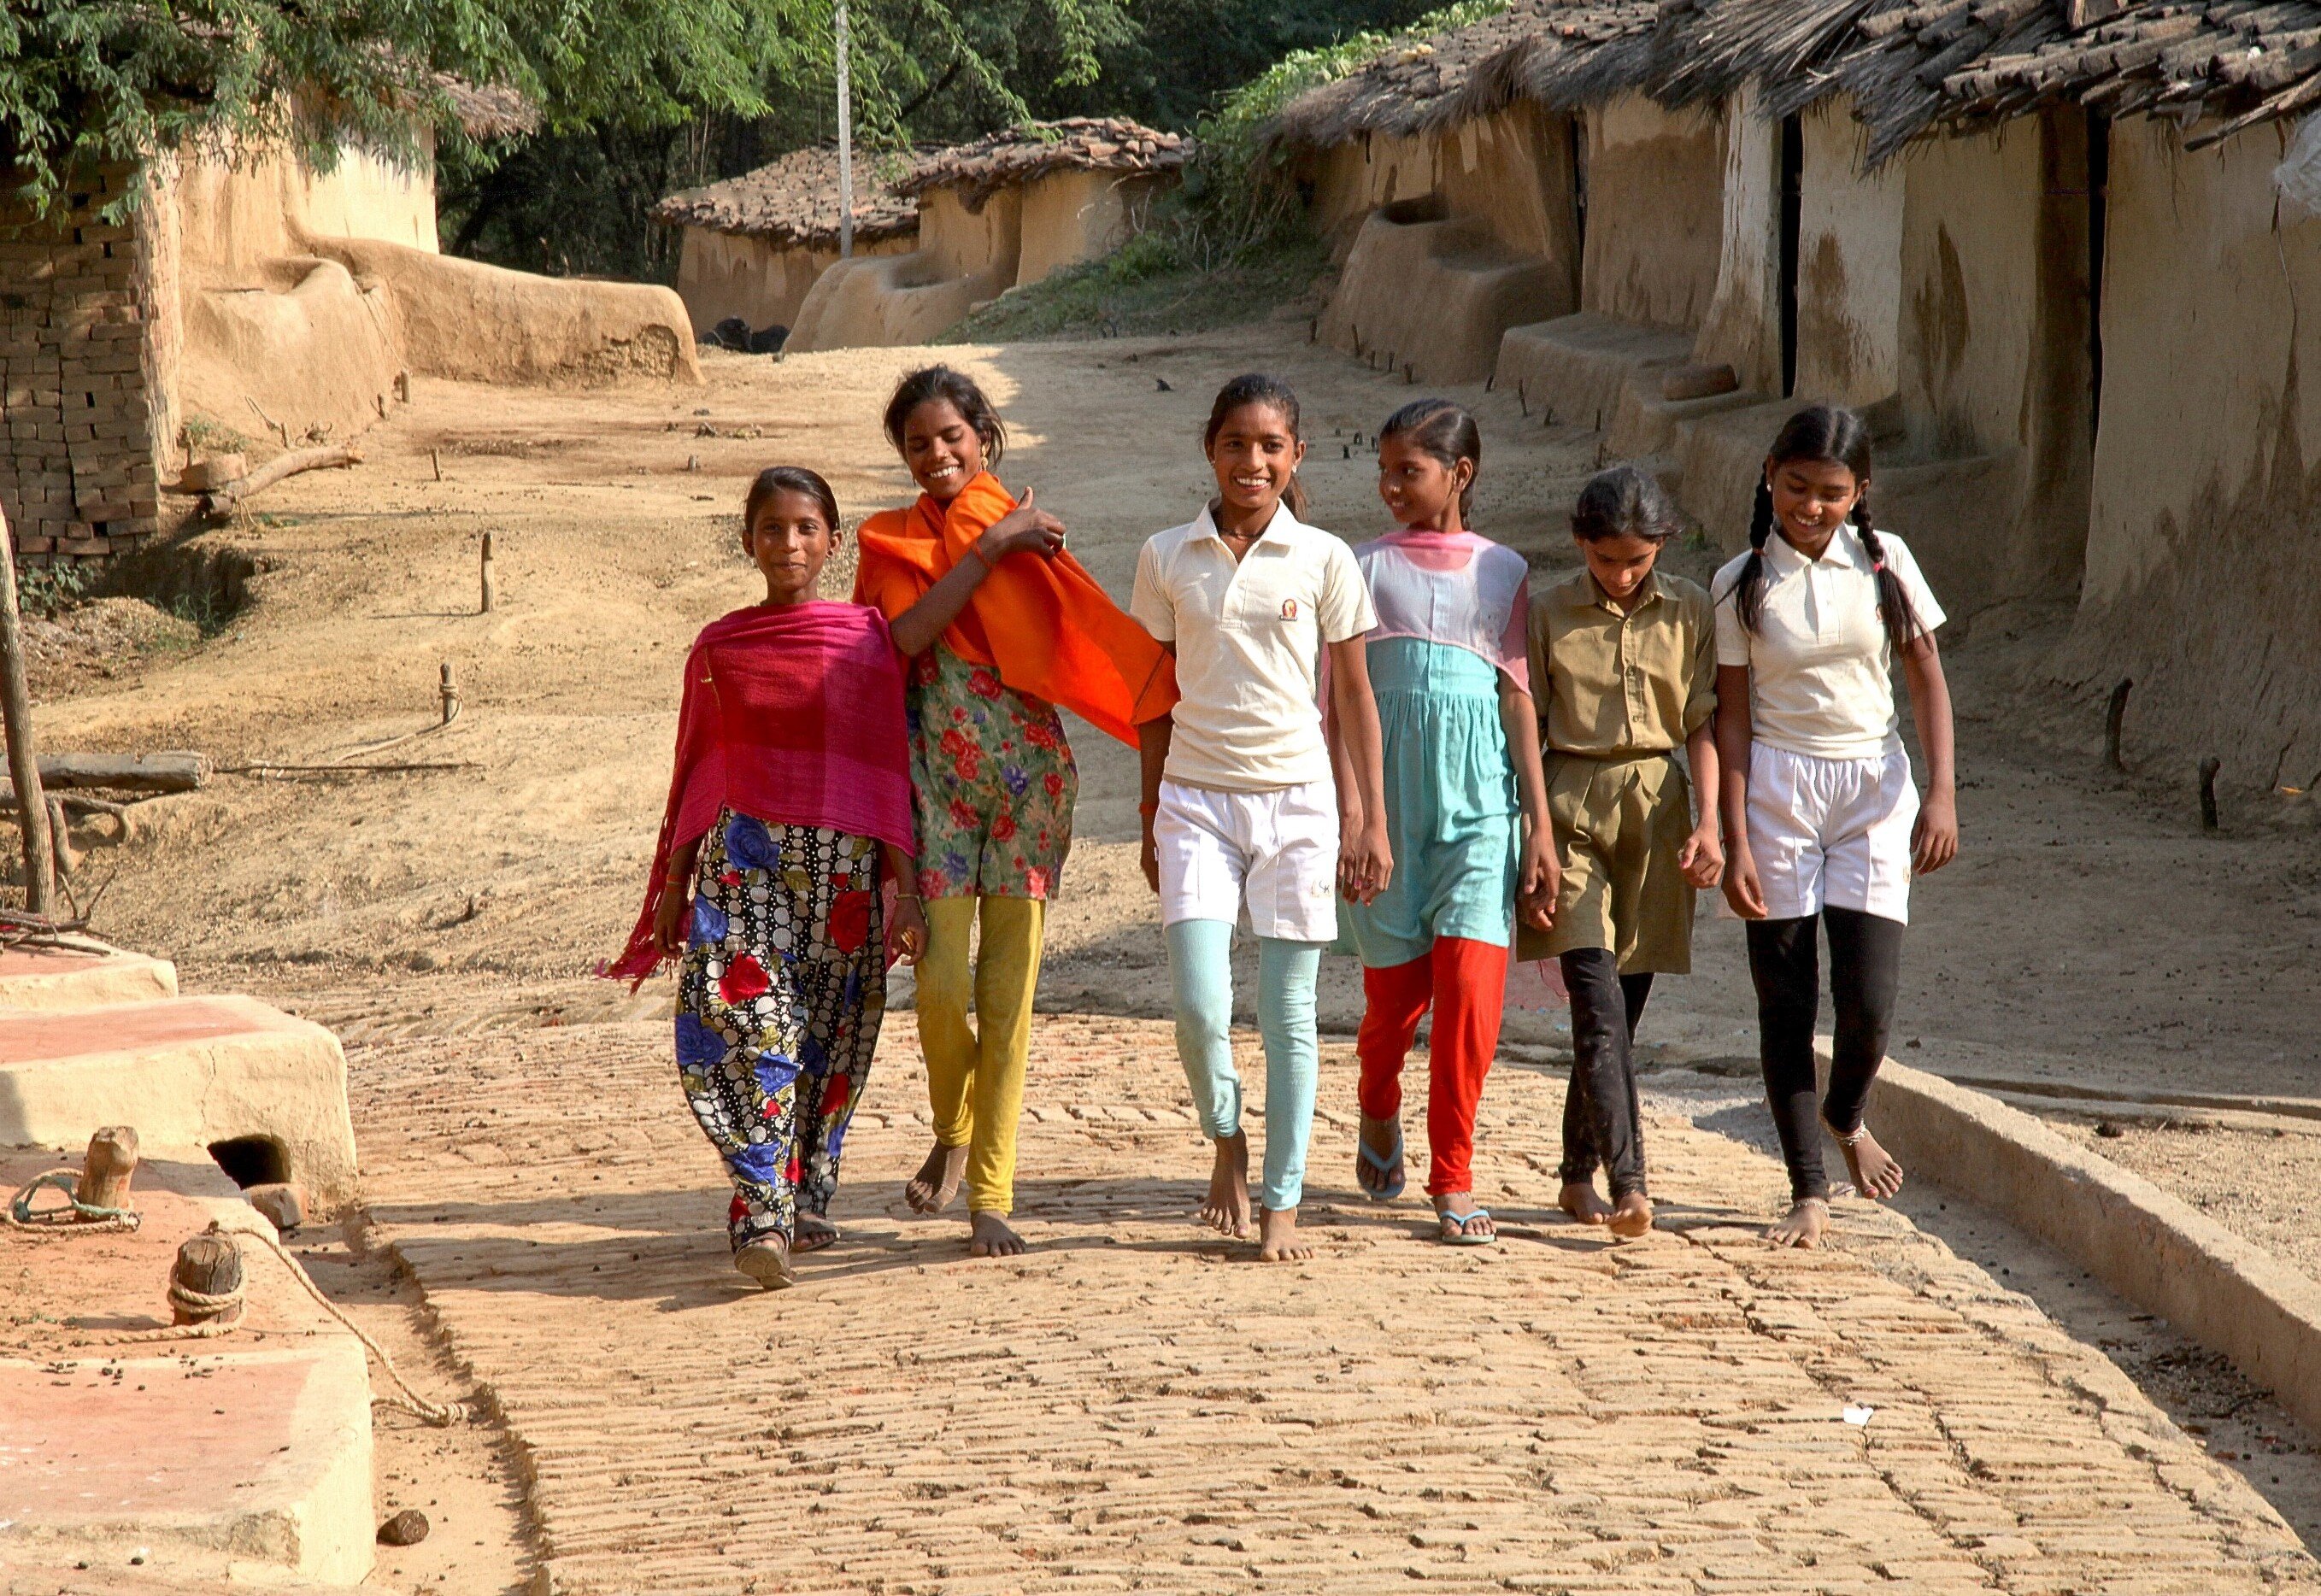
(767, 1262)
(814, 1233)
(1384, 1165)
(1460, 1237)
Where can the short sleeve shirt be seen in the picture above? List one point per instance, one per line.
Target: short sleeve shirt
(1820, 666)
(1249, 636)
(1614, 684)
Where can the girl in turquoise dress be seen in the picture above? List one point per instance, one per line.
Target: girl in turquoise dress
(1466, 807)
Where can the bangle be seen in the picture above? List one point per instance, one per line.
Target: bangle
(906, 897)
(1148, 809)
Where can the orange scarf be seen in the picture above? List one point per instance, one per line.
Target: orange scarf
(1045, 625)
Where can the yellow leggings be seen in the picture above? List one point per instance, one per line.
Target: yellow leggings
(975, 1073)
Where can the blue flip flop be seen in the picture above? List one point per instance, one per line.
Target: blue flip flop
(1382, 1165)
(1459, 1237)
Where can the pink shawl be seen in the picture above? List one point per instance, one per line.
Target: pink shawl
(791, 715)
(1453, 588)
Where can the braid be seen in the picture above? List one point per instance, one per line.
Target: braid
(1902, 626)
(1748, 591)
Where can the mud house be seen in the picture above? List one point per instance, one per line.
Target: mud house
(753, 245)
(998, 213)
(2040, 244)
(254, 291)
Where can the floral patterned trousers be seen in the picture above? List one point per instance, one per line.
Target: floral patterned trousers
(780, 995)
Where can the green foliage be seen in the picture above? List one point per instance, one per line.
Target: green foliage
(1146, 287)
(205, 436)
(48, 590)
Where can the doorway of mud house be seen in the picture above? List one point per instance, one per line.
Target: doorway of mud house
(1792, 158)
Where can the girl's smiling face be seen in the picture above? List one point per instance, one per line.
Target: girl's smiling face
(1812, 499)
(1420, 491)
(942, 448)
(790, 539)
(1254, 454)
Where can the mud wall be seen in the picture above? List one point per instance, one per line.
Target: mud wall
(306, 345)
(1848, 265)
(1349, 181)
(2203, 543)
(761, 281)
(1655, 213)
(236, 213)
(1992, 346)
(1073, 217)
(1742, 327)
(1513, 171)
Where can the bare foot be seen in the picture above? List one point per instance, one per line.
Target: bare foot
(1633, 1216)
(767, 1261)
(1803, 1226)
(1278, 1241)
(988, 1236)
(937, 1182)
(814, 1233)
(1875, 1172)
(1477, 1224)
(1580, 1200)
(1227, 1210)
(1382, 1138)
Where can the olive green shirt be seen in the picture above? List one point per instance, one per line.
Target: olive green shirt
(1614, 684)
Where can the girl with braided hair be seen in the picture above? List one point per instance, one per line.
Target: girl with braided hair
(1823, 823)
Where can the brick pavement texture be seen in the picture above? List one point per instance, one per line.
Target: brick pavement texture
(1138, 1405)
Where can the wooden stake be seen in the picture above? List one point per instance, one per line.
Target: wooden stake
(106, 1172)
(435, 458)
(2113, 716)
(2208, 768)
(23, 751)
(487, 574)
(449, 694)
(208, 1265)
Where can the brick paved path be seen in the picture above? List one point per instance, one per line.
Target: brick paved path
(1134, 1407)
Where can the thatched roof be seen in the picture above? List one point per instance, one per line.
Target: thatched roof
(1910, 65)
(489, 112)
(794, 201)
(1413, 87)
(1021, 154)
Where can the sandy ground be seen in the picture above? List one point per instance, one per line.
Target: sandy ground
(2090, 940)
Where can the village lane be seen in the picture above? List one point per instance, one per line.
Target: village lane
(1136, 1405)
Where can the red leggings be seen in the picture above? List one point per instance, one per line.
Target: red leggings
(1466, 982)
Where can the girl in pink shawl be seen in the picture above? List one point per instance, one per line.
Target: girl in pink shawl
(1466, 807)
(789, 828)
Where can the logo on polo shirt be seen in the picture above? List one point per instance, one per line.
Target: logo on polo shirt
(1289, 609)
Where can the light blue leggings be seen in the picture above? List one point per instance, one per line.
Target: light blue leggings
(1200, 971)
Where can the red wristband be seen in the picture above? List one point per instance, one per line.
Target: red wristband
(1148, 809)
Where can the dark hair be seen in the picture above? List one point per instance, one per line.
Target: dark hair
(1254, 388)
(787, 479)
(956, 389)
(1825, 433)
(1445, 431)
(1625, 502)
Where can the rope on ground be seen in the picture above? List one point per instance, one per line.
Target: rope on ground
(75, 1218)
(226, 1309)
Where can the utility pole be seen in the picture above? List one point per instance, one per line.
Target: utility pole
(845, 143)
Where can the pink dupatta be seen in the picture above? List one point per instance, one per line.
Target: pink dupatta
(1453, 588)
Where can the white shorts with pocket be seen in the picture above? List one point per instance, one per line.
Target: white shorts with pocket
(1275, 852)
(1832, 832)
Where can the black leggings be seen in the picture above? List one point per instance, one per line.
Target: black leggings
(1601, 1121)
(1865, 969)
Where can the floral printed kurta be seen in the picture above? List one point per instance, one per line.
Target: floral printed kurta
(995, 783)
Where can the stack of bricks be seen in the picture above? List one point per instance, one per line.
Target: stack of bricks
(79, 472)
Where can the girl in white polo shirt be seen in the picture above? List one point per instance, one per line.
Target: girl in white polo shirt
(1241, 812)
(1825, 825)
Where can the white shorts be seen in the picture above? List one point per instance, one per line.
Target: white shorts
(1276, 851)
(1832, 832)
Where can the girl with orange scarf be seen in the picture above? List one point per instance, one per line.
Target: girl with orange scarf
(993, 775)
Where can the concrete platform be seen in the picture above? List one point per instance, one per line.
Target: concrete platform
(190, 1074)
(53, 979)
(245, 1457)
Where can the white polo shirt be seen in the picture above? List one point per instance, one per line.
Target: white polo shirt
(1249, 636)
(1821, 676)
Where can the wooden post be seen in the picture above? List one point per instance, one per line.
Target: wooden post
(23, 751)
(435, 458)
(449, 694)
(208, 1265)
(2113, 716)
(487, 574)
(2208, 768)
(106, 1172)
